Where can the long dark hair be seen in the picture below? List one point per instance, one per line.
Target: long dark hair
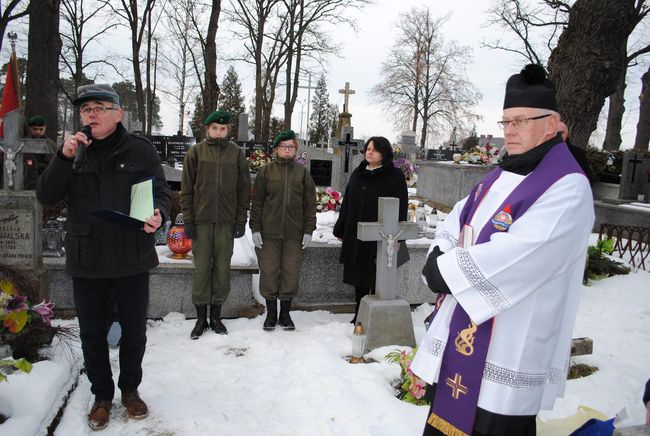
(382, 145)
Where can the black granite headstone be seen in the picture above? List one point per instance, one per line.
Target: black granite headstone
(321, 172)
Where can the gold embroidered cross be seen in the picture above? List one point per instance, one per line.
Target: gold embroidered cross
(456, 386)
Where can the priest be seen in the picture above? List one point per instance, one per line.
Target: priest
(507, 264)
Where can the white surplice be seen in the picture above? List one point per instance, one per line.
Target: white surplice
(528, 279)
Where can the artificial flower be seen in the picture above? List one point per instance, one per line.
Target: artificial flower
(45, 310)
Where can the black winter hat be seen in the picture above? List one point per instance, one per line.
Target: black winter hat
(530, 88)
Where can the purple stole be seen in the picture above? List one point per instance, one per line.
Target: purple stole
(463, 362)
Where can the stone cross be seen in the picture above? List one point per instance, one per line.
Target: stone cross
(387, 231)
(346, 93)
(13, 148)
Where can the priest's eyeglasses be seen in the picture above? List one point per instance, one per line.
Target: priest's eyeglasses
(520, 122)
(99, 110)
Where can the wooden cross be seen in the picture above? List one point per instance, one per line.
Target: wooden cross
(387, 231)
(346, 93)
(14, 147)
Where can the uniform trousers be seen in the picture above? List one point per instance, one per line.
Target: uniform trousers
(279, 262)
(212, 250)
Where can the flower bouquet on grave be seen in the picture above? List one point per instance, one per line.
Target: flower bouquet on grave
(25, 326)
(481, 155)
(257, 159)
(301, 161)
(327, 199)
(408, 168)
(410, 388)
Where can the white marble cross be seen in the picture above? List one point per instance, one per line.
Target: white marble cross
(387, 231)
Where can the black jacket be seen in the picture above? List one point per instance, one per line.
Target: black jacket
(360, 204)
(96, 248)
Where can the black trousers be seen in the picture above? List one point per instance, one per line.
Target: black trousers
(94, 303)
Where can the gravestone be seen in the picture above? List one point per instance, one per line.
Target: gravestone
(634, 177)
(439, 154)
(321, 172)
(169, 147)
(243, 133)
(386, 319)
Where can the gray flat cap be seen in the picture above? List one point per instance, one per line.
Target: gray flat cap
(96, 92)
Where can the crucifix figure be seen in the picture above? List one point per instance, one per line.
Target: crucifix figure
(14, 147)
(10, 163)
(386, 231)
(346, 96)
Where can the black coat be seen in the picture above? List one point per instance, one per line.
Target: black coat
(96, 248)
(360, 204)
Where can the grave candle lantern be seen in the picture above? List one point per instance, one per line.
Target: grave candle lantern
(358, 344)
(177, 242)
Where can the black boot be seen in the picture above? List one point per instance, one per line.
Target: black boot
(201, 322)
(284, 319)
(359, 293)
(215, 320)
(271, 315)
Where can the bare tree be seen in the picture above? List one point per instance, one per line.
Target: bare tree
(82, 24)
(597, 55)
(304, 38)
(265, 49)
(424, 78)
(537, 29)
(643, 126)
(616, 108)
(43, 68)
(11, 13)
(178, 55)
(129, 11)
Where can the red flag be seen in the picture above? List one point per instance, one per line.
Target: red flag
(11, 93)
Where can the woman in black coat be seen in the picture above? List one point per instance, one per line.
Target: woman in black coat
(375, 177)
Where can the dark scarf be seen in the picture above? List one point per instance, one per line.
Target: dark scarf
(526, 163)
(103, 148)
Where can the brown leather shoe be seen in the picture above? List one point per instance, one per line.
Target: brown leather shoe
(99, 415)
(135, 407)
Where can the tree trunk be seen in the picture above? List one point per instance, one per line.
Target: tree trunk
(211, 96)
(613, 138)
(643, 126)
(44, 48)
(590, 45)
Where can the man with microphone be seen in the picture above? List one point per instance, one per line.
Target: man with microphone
(108, 261)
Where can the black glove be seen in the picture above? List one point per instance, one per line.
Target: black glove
(238, 231)
(432, 273)
(190, 230)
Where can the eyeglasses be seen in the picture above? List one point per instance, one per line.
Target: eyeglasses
(286, 147)
(520, 122)
(99, 110)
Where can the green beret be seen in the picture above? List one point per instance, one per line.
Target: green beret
(37, 120)
(219, 117)
(283, 136)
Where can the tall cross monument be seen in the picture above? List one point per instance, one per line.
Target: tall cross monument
(387, 319)
(345, 116)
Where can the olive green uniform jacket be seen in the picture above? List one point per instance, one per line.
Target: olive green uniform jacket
(284, 201)
(216, 183)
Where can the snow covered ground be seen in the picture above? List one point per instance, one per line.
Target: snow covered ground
(252, 382)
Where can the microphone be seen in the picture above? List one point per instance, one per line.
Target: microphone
(81, 150)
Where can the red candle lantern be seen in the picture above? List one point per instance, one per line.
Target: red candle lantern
(177, 242)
